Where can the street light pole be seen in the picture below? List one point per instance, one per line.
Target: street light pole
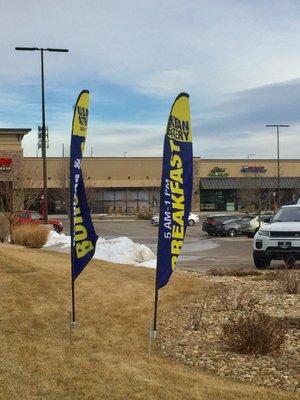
(44, 155)
(277, 126)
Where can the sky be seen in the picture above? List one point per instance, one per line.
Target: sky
(238, 60)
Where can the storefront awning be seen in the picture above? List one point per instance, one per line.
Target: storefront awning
(249, 183)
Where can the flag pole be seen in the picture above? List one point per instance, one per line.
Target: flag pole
(155, 306)
(73, 320)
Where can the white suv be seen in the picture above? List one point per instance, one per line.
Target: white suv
(279, 240)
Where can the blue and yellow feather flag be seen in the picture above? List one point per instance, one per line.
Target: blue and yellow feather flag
(83, 235)
(176, 188)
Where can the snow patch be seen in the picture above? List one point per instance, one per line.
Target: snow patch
(121, 250)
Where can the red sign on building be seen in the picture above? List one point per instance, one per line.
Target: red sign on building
(5, 163)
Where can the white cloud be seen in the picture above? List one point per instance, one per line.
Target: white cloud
(155, 48)
(106, 139)
(222, 45)
(261, 143)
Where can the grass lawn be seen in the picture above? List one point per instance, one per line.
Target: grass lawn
(108, 358)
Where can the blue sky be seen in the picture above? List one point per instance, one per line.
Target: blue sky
(238, 60)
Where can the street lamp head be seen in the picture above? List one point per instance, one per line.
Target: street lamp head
(277, 126)
(37, 48)
(59, 50)
(27, 48)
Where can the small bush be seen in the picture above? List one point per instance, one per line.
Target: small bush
(253, 332)
(234, 300)
(144, 213)
(289, 281)
(31, 235)
(197, 313)
(224, 296)
(4, 228)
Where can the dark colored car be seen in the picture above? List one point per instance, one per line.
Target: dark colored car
(33, 217)
(232, 227)
(209, 225)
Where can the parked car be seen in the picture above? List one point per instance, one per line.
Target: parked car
(33, 217)
(250, 227)
(232, 227)
(210, 223)
(193, 219)
(280, 239)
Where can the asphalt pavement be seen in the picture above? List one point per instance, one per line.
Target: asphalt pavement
(200, 251)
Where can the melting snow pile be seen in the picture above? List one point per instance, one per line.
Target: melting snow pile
(121, 250)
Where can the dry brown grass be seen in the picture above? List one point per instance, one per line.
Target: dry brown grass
(34, 236)
(108, 357)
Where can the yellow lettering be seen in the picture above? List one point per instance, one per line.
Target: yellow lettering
(83, 248)
(176, 246)
(175, 188)
(178, 217)
(177, 202)
(78, 220)
(176, 175)
(77, 211)
(177, 231)
(173, 146)
(80, 233)
(176, 161)
(174, 261)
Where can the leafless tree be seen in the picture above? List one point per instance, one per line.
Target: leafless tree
(255, 197)
(62, 192)
(20, 188)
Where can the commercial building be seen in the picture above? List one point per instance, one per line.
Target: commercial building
(129, 184)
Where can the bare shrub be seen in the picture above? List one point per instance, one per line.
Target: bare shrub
(223, 294)
(289, 280)
(253, 332)
(245, 301)
(20, 189)
(4, 228)
(197, 312)
(232, 300)
(31, 235)
(144, 213)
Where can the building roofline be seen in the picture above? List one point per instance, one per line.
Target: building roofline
(100, 158)
(15, 130)
(215, 160)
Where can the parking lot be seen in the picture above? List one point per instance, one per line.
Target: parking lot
(200, 251)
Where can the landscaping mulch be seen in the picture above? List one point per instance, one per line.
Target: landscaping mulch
(200, 343)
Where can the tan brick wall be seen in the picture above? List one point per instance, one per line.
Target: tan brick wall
(126, 172)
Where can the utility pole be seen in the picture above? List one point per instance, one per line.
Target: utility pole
(44, 156)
